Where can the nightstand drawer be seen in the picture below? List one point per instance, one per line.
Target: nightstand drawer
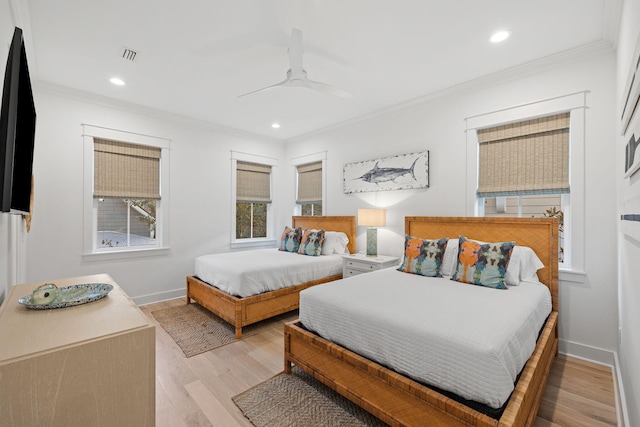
(348, 272)
(359, 265)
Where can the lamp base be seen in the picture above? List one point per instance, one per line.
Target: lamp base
(372, 242)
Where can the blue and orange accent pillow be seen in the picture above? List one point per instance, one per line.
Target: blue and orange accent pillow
(423, 256)
(311, 242)
(483, 264)
(290, 239)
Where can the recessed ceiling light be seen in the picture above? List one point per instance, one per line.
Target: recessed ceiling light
(116, 81)
(275, 125)
(500, 36)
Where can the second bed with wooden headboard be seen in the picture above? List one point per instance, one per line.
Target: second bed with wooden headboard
(241, 311)
(395, 391)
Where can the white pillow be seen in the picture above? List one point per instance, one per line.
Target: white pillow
(523, 264)
(335, 242)
(450, 258)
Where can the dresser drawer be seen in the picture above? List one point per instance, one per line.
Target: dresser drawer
(360, 265)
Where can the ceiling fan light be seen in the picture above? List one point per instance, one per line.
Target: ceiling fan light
(500, 36)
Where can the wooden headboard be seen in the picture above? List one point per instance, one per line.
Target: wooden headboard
(540, 234)
(346, 224)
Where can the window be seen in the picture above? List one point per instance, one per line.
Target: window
(523, 169)
(126, 203)
(552, 198)
(309, 195)
(253, 196)
(126, 191)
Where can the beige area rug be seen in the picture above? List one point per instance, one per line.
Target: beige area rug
(298, 400)
(196, 330)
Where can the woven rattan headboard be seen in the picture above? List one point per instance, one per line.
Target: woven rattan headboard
(346, 224)
(540, 234)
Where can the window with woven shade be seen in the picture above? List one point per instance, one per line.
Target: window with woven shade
(309, 195)
(253, 195)
(529, 157)
(126, 190)
(523, 169)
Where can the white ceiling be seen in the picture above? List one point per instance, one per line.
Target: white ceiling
(196, 56)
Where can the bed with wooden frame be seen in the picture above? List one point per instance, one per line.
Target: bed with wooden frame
(241, 312)
(400, 401)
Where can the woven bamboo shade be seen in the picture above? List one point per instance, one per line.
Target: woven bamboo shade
(124, 170)
(529, 157)
(253, 182)
(310, 183)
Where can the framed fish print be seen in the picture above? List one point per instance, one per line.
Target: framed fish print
(403, 172)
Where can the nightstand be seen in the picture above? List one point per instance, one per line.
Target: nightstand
(358, 264)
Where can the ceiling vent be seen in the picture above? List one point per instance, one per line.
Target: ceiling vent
(129, 54)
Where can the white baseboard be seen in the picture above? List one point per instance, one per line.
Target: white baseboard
(592, 354)
(621, 400)
(160, 296)
(602, 357)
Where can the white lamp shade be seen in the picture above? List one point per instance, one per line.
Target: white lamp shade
(372, 217)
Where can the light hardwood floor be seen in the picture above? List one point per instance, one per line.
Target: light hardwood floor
(197, 391)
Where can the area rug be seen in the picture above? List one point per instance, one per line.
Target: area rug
(196, 330)
(298, 400)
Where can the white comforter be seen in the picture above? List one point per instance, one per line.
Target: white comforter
(249, 273)
(466, 339)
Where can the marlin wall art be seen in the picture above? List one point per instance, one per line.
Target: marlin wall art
(403, 172)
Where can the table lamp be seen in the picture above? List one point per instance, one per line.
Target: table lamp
(372, 218)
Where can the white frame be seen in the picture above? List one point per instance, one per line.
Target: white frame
(260, 241)
(306, 159)
(575, 104)
(90, 249)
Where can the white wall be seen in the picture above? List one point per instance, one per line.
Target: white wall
(437, 125)
(628, 203)
(200, 209)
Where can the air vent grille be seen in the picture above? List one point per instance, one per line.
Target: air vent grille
(129, 54)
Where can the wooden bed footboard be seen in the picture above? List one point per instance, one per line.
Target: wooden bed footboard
(400, 401)
(241, 312)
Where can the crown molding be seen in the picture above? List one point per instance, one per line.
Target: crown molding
(566, 57)
(105, 101)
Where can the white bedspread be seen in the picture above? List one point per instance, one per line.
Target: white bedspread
(249, 273)
(467, 339)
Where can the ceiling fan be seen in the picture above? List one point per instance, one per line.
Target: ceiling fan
(297, 76)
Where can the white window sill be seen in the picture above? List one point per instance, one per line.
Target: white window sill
(125, 254)
(572, 276)
(253, 243)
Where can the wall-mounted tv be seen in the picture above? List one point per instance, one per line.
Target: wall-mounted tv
(17, 131)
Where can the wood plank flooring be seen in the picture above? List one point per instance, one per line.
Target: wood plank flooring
(197, 391)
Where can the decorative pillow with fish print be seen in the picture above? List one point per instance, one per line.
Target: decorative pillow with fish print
(311, 243)
(423, 256)
(483, 264)
(290, 240)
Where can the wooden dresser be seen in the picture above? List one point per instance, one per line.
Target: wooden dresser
(86, 365)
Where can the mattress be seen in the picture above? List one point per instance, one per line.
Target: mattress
(469, 340)
(247, 273)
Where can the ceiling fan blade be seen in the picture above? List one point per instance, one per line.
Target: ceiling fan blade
(282, 83)
(295, 51)
(297, 76)
(326, 88)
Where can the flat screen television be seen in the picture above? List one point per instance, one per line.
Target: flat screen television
(17, 131)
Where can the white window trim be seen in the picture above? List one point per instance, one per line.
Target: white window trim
(576, 104)
(268, 241)
(90, 251)
(304, 160)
